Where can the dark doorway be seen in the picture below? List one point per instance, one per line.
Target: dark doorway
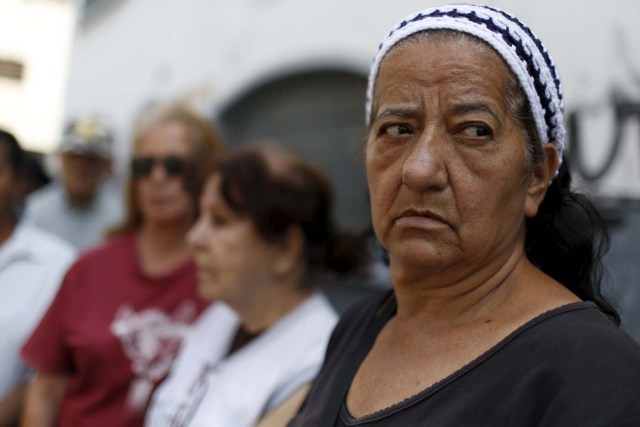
(318, 114)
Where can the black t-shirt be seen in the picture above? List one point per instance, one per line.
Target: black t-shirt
(568, 367)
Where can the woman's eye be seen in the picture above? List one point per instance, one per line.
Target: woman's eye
(477, 131)
(396, 130)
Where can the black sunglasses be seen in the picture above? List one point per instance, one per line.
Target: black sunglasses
(142, 166)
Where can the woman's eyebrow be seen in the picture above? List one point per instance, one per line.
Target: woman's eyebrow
(470, 107)
(398, 112)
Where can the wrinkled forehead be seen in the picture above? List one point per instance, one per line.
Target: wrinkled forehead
(441, 58)
(520, 48)
(455, 55)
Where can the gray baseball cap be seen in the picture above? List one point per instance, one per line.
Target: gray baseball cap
(88, 137)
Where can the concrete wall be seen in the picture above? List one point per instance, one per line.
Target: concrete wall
(209, 51)
(38, 34)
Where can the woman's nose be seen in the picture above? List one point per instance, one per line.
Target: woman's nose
(158, 172)
(425, 168)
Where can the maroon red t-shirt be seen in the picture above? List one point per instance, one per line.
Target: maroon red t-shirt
(115, 332)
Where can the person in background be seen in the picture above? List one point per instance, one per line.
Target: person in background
(82, 205)
(113, 329)
(264, 237)
(496, 317)
(32, 264)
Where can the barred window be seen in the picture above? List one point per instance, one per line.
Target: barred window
(10, 69)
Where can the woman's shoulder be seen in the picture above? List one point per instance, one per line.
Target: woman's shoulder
(92, 267)
(579, 362)
(586, 354)
(579, 328)
(104, 253)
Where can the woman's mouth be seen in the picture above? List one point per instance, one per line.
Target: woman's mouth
(420, 219)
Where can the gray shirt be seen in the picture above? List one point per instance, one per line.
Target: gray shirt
(49, 209)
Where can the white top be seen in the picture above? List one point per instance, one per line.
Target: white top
(32, 265)
(207, 389)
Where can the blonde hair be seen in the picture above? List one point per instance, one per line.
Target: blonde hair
(206, 145)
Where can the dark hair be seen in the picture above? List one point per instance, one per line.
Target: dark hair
(15, 153)
(34, 173)
(567, 239)
(206, 145)
(278, 190)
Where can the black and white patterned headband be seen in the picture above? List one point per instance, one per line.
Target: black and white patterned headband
(514, 41)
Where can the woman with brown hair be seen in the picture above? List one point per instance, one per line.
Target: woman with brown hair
(115, 326)
(264, 236)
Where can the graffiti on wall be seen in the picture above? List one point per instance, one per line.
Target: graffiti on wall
(625, 109)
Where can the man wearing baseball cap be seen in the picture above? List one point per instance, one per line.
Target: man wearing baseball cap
(79, 207)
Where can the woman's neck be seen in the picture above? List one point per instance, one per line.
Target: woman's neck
(268, 308)
(162, 247)
(451, 298)
(507, 291)
(163, 236)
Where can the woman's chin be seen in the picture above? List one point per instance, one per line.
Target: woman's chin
(208, 291)
(423, 255)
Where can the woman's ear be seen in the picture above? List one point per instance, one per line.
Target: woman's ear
(289, 251)
(540, 179)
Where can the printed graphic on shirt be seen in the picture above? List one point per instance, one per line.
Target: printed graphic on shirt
(150, 339)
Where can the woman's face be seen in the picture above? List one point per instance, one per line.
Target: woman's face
(445, 160)
(161, 192)
(233, 260)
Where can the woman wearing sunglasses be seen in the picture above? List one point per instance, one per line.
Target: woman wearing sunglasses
(115, 326)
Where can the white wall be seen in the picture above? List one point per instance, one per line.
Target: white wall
(38, 33)
(209, 51)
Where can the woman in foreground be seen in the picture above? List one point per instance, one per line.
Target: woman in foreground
(496, 317)
(264, 236)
